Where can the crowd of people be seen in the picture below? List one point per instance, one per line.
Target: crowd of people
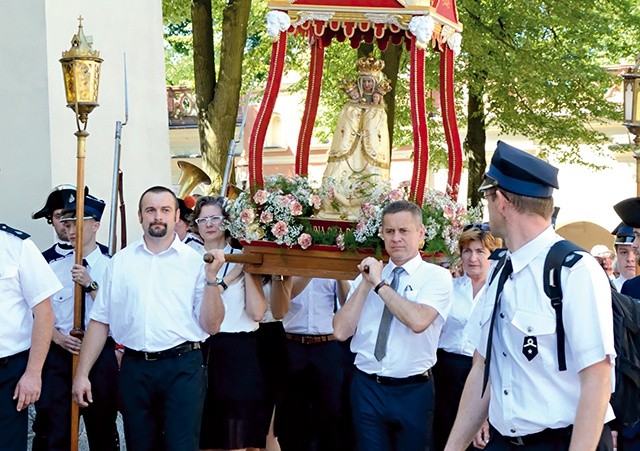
(203, 355)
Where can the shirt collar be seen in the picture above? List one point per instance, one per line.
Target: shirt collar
(93, 257)
(523, 256)
(176, 246)
(410, 267)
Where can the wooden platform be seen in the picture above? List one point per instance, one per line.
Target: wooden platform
(328, 262)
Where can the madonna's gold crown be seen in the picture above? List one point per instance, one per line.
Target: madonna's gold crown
(370, 65)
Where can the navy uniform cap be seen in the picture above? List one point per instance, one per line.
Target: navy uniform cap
(93, 208)
(624, 234)
(629, 211)
(518, 172)
(56, 200)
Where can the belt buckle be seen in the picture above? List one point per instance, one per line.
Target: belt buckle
(150, 357)
(303, 340)
(378, 379)
(516, 441)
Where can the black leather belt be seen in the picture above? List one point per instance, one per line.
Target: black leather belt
(385, 380)
(167, 353)
(544, 436)
(7, 359)
(310, 339)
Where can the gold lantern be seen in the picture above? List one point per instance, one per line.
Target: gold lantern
(81, 73)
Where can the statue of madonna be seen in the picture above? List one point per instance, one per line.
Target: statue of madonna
(360, 148)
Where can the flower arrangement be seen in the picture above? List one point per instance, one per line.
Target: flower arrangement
(281, 212)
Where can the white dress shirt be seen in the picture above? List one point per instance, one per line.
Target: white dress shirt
(25, 281)
(152, 301)
(462, 325)
(529, 396)
(63, 300)
(408, 353)
(236, 318)
(311, 312)
(618, 282)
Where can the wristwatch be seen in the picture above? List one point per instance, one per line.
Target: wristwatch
(93, 286)
(218, 282)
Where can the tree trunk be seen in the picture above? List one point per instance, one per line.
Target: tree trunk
(217, 97)
(474, 145)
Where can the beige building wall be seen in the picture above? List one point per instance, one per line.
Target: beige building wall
(37, 144)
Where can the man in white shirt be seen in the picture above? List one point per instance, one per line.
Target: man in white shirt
(52, 425)
(395, 314)
(160, 302)
(308, 418)
(26, 286)
(531, 403)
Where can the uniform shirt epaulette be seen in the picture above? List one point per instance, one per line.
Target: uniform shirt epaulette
(19, 233)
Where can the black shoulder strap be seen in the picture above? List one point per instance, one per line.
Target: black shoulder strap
(15, 232)
(558, 257)
(500, 255)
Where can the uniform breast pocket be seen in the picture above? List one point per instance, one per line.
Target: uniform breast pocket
(8, 278)
(535, 332)
(62, 295)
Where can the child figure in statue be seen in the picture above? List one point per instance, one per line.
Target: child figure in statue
(360, 149)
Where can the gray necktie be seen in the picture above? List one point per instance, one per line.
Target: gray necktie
(385, 322)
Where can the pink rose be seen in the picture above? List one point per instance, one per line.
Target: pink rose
(315, 200)
(296, 208)
(331, 194)
(448, 211)
(247, 215)
(279, 229)
(260, 197)
(367, 209)
(304, 240)
(340, 242)
(360, 226)
(395, 195)
(283, 201)
(266, 217)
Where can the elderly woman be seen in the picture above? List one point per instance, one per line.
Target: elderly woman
(456, 346)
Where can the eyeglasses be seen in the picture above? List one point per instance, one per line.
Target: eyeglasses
(216, 219)
(482, 227)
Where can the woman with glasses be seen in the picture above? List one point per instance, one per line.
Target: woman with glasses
(233, 412)
(456, 346)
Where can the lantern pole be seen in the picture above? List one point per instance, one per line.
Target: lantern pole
(631, 96)
(81, 72)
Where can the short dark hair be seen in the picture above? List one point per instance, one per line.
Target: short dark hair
(403, 205)
(157, 190)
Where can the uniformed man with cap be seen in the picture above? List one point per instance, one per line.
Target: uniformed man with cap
(530, 404)
(52, 210)
(53, 411)
(26, 286)
(626, 257)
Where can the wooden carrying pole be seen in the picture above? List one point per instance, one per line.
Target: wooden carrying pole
(78, 293)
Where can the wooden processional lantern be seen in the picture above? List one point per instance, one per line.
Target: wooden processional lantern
(416, 24)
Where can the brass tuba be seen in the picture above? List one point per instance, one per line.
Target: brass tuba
(190, 177)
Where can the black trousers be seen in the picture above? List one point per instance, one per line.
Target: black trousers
(449, 375)
(162, 402)
(13, 424)
(391, 417)
(309, 416)
(52, 425)
(498, 442)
